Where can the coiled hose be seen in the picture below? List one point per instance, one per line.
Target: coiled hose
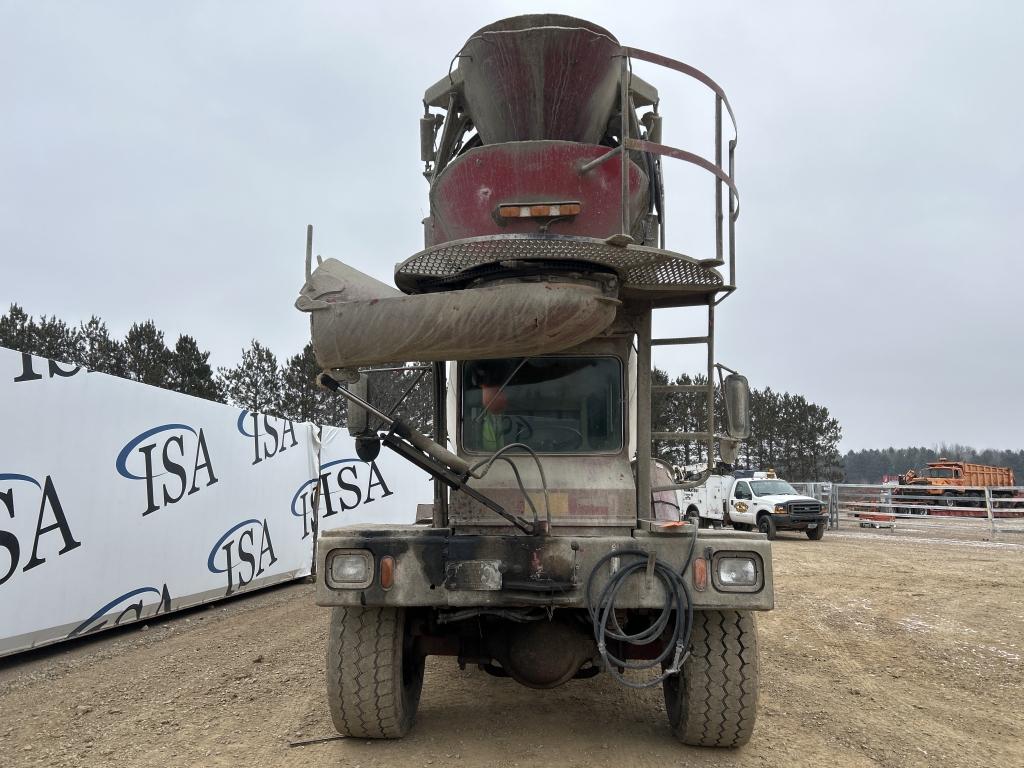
(677, 610)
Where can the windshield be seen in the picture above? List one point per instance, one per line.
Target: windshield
(551, 404)
(772, 488)
(935, 472)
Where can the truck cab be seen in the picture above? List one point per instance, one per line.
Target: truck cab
(770, 505)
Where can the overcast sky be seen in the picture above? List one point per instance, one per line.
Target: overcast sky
(161, 160)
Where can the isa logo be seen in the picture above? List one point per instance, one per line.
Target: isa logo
(242, 553)
(269, 434)
(131, 606)
(173, 459)
(25, 496)
(343, 485)
(53, 368)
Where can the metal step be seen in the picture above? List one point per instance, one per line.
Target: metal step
(681, 436)
(679, 340)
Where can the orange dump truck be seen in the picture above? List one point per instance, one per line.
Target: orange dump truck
(958, 483)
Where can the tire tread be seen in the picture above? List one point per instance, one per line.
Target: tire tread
(717, 691)
(364, 674)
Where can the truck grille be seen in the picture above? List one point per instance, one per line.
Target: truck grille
(805, 508)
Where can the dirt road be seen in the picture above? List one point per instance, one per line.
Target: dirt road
(880, 652)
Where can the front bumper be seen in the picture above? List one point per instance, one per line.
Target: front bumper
(797, 522)
(433, 567)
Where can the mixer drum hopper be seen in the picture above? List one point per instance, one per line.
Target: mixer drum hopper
(543, 76)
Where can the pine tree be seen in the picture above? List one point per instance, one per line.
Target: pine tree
(663, 416)
(18, 330)
(56, 340)
(300, 395)
(302, 399)
(99, 351)
(147, 358)
(189, 370)
(255, 383)
(797, 438)
(870, 465)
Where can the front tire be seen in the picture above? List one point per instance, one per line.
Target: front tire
(766, 525)
(712, 702)
(374, 677)
(817, 533)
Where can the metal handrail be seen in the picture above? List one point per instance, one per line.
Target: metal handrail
(723, 176)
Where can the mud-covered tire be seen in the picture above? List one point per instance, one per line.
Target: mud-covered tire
(713, 701)
(817, 533)
(374, 678)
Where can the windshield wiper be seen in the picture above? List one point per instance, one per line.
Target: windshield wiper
(494, 397)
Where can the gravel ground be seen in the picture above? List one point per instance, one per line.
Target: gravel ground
(881, 651)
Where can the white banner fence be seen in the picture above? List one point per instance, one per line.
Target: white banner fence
(121, 501)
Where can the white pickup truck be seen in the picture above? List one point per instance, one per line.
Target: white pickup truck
(747, 499)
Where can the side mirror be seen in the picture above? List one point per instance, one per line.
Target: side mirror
(728, 450)
(367, 448)
(428, 133)
(358, 418)
(737, 406)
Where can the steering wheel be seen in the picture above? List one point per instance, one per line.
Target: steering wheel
(518, 427)
(571, 443)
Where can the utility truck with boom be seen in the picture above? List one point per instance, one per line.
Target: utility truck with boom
(549, 552)
(748, 500)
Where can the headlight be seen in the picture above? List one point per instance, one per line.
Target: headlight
(738, 572)
(350, 569)
(780, 509)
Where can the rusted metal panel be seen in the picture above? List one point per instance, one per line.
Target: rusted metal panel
(465, 198)
(477, 575)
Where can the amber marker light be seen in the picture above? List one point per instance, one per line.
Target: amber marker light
(387, 572)
(538, 210)
(700, 573)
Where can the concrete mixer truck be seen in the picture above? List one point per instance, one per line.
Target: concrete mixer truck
(552, 550)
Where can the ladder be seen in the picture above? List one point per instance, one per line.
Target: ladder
(645, 435)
